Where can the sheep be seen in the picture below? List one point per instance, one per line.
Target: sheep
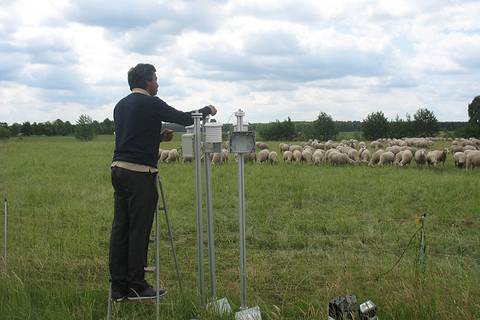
(421, 157)
(459, 158)
(318, 156)
(307, 156)
(224, 155)
(216, 158)
(284, 147)
(272, 157)
(261, 145)
(252, 157)
(337, 158)
(469, 147)
(376, 157)
(164, 155)
(354, 154)
(297, 156)
(287, 156)
(473, 160)
(294, 147)
(398, 158)
(365, 155)
(263, 155)
(434, 157)
(386, 158)
(406, 158)
(454, 148)
(395, 149)
(172, 156)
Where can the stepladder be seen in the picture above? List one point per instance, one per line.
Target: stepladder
(161, 207)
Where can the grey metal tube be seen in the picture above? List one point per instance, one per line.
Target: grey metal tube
(157, 257)
(210, 228)
(5, 229)
(243, 260)
(241, 200)
(109, 308)
(201, 277)
(170, 236)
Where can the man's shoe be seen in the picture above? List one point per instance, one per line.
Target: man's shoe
(145, 294)
(118, 296)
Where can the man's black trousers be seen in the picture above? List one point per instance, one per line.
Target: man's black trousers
(135, 197)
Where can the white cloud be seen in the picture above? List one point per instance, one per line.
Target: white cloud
(275, 59)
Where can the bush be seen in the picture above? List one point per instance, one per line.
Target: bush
(324, 128)
(85, 129)
(4, 133)
(279, 131)
(468, 131)
(375, 126)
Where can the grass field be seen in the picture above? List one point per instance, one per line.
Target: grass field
(312, 233)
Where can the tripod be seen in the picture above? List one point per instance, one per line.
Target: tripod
(156, 269)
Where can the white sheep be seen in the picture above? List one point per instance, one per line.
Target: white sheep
(365, 155)
(307, 155)
(164, 155)
(421, 157)
(216, 158)
(386, 158)
(284, 147)
(294, 147)
(172, 156)
(318, 156)
(287, 156)
(376, 157)
(224, 155)
(338, 158)
(261, 145)
(272, 157)
(473, 160)
(297, 156)
(434, 157)
(263, 155)
(406, 158)
(460, 159)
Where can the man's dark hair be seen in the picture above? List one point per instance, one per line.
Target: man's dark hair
(140, 74)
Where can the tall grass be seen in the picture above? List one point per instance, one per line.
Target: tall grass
(312, 233)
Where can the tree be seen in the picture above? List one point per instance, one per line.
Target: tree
(26, 129)
(324, 127)
(284, 130)
(425, 123)
(474, 111)
(375, 126)
(108, 126)
(84, 129)
(4, 131)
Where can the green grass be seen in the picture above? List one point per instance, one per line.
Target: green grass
(312, 233)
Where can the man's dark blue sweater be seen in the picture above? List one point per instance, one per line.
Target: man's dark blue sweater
(138, 122)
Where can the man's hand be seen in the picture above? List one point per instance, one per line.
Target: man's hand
(213, 110)
(166, 135)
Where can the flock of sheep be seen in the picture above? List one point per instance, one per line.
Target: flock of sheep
(399, 152)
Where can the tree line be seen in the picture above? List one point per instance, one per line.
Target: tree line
(374, 126)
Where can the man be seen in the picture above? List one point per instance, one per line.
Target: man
(138, 121)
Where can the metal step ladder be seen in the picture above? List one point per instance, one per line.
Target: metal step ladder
(156, 269)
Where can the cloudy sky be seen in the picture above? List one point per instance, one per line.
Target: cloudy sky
(274, 59)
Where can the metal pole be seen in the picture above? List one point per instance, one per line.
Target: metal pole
(210, 228)
(241, 197)
(157, 257)
(5, 229)
(170, 236)
(201, 277)
(109, 309)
